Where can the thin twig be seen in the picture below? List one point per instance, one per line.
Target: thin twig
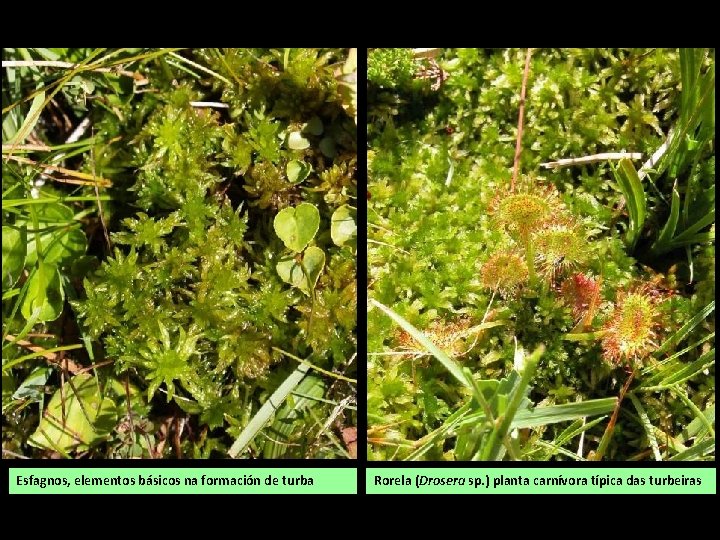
(518, 145)
(26, 147)
(610, 428)
(211, 104)
(425, 53)
(200, 67)
(649, 165)
(13, 454)
(568, 162)
(104, 182)
(50, 356)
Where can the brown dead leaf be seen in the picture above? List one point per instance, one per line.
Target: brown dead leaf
(349, 436)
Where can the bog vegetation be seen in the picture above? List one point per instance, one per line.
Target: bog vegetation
(179, 253)
(541, 289)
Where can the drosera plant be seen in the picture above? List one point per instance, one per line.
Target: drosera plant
(193, 304)
(560, 260)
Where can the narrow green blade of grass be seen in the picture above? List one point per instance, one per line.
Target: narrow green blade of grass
(647, 426)
(656, 367)
(491, 450)
(541, 416)
(552, 414)
(34, 317)
(697, 412)
(267, 410)
(663, 240)
(687, 235)
(696, 452)
(21, 359)
(632, 189)
(697, 102)
(688, 327)
(431, 439)
(30, 120)
(10, 203)
(555, 449)
(675, 374)
(289, 418)
(421, 338)
(700, 426)
(574, 430)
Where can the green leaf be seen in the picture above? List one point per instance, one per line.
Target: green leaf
(297, 171)
(327, 147)
(267, 410)
(297, 226)
(61, 237)
(45, 292)
(33, 387)
(661, 245)
(343, 226)
(688, 327)
(84, 419)
(552, 414)
(8, 388)
(447, 362)
(14, 250)
(631, 187)
(289, 419)
(303, 275)
(30, 120)
(297, 142)
(314, 126)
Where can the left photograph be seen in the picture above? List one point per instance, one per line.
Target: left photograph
(179, 242)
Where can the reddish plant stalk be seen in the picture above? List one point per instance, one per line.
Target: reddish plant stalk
(518, 145)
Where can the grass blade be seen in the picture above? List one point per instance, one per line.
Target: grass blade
(632, 189)
(661, 245)
(267, 410)
(688, 327)
(447, 362)
(696, 452)
(30, 120)
(647, 426)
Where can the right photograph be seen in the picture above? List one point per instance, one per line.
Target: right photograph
(541, 254)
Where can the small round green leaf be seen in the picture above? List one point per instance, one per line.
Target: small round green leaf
(303, 274)
(297, 171)
(314, 126)
(297, 142)
(327, 147)
(297, 226)
(343, 226)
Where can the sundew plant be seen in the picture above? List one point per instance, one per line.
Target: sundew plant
(179, 249)
(541, 254)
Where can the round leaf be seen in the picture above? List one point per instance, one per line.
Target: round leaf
(84, 419)
(327, 147)
(297, 171)
(314, 126)
(303, 275)
(297, 142)
(297, 226)
(343, 226)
